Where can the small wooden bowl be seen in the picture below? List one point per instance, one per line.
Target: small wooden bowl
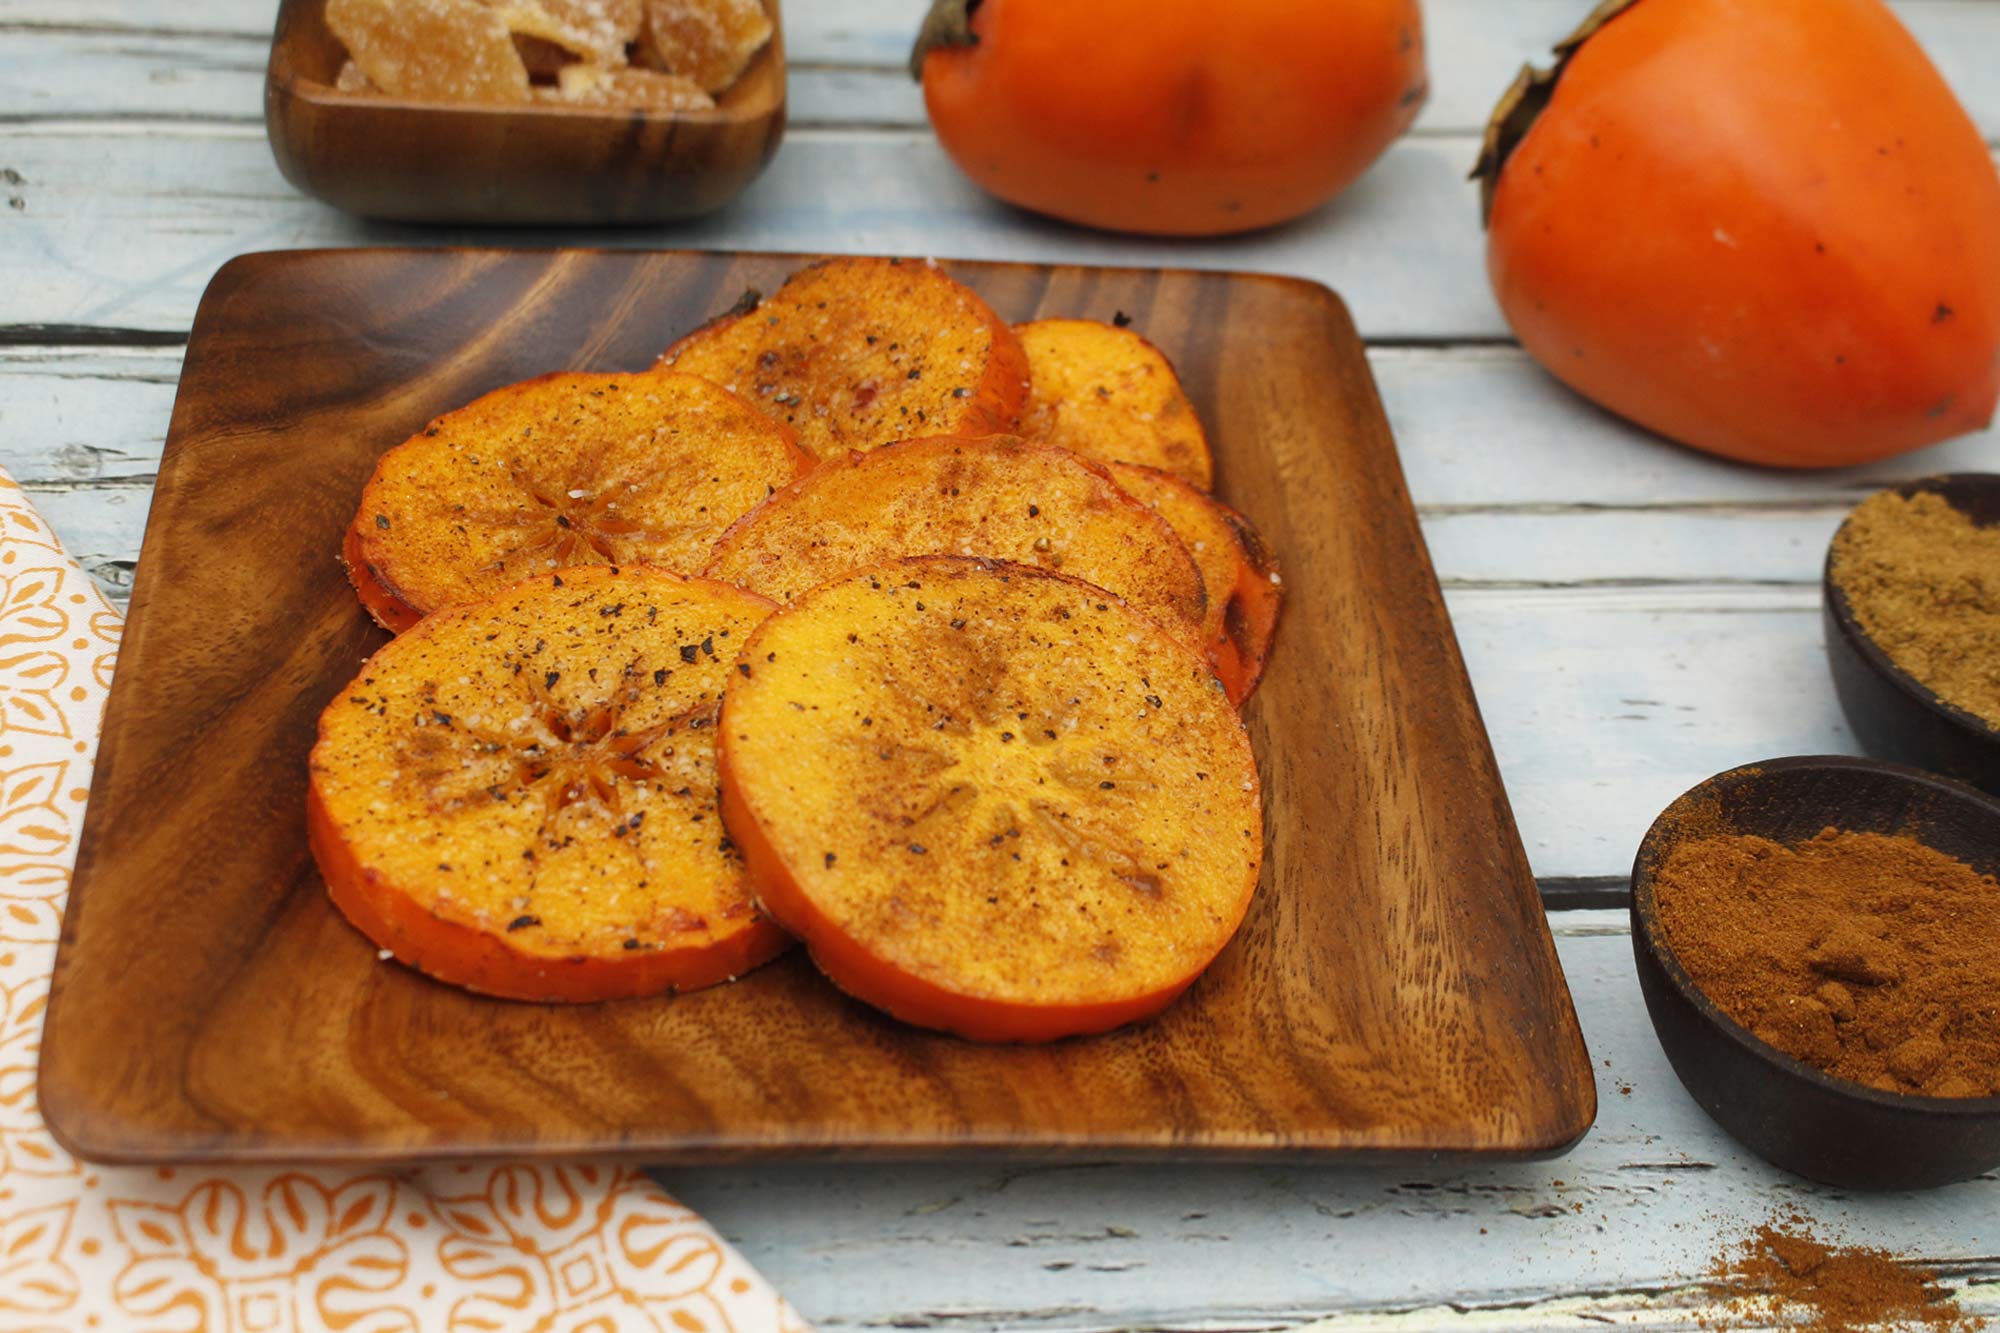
(1825, 1128)
(1892, 715)
(406, 161)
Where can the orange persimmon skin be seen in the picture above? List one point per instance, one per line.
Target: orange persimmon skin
(377, 598)
(483, 962)
(1762, 228)
(1185, 118)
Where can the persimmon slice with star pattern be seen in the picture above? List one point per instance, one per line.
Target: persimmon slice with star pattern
(567, 469)
(518, 796)
(990, 799)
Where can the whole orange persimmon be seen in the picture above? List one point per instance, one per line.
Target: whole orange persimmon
(1763, 228)
(1170, 117)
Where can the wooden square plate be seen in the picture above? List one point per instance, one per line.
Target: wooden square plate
(411, 161)
(1394, 990)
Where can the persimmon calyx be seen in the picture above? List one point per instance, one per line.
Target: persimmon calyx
(1525, 99)
(949, 24)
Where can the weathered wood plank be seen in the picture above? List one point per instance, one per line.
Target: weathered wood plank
(229, 16)
(1484, 426)
(1476, 46)
(100, 529)
(123, 225)
(1620, 1229)
(1603, 701)
(1479, 428)
(82, 417)
(100, 74)
(1603, 704)
(82, 72)
(846, 59)
(1486, 552)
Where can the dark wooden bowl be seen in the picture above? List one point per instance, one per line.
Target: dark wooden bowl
(1786, 1111)
(1892, 715)
(406, 161)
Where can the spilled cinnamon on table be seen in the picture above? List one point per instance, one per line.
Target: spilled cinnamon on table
(1783, 1276)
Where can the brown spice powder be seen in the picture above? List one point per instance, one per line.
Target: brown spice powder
(1924, 582)
(1874, 958)
(1784, 1276)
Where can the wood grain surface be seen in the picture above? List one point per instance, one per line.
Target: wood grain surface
(409, 161)
(1395, 989)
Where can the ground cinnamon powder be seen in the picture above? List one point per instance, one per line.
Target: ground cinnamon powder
(1783, 1276)
(1874, 958)
(1924, 582)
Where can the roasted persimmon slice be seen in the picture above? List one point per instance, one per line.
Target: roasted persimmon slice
(854, 353)
(990, 799)
(1107, 393)
(1237, 570)
(708, 41)
(997, 497)
(567, 469)
(519, 796)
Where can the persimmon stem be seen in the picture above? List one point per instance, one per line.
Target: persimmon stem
(948, 24)
(1523, 102)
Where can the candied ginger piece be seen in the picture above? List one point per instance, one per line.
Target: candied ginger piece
(709, 41)
(593, 31)
(351, 79)
(587, 85)
(450, 50)
(544, 60)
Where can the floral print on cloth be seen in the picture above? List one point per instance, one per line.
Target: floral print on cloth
(461, 1249)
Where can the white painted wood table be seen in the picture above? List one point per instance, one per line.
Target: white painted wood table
(1635, 618)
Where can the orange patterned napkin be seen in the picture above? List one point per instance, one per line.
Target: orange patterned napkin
(467, 1249)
